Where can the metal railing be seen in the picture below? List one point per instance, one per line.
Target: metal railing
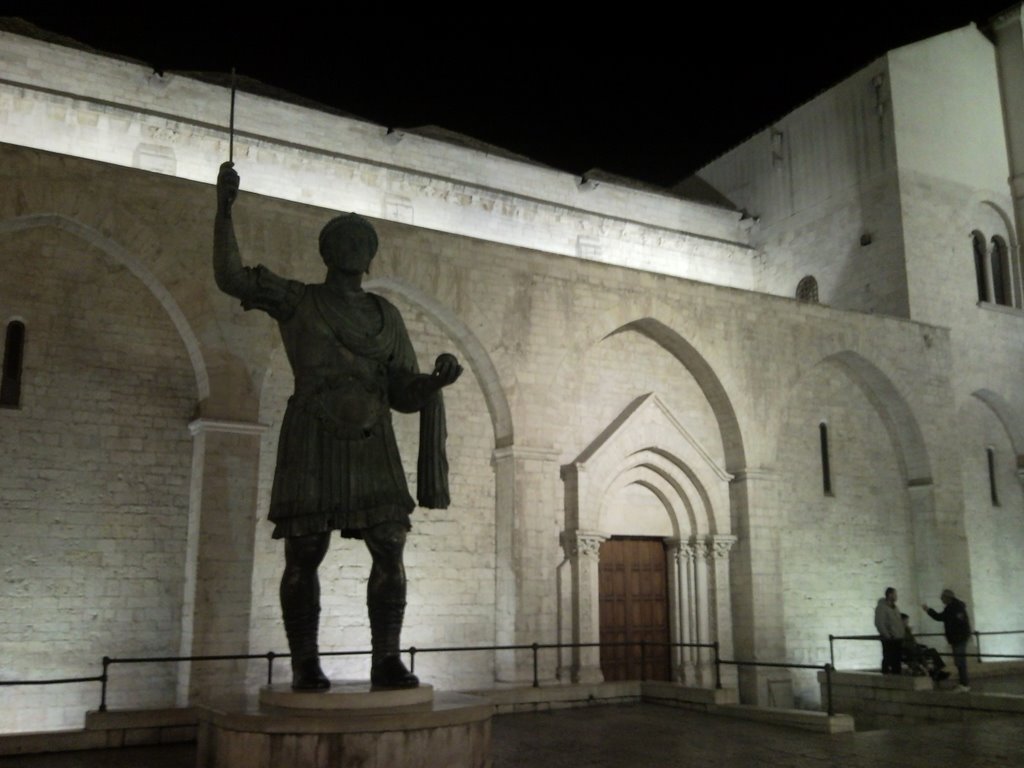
(977, 640)
(535, 648)
(271, 656)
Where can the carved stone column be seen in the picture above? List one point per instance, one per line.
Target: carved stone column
(703, 604)
(719, 547)
(217, 598)
(526, 554)
(687, 613)
(675, 608)
(755, 579)
(583, 549)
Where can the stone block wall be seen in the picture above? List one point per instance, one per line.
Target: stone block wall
(558, 343)
(95, 480)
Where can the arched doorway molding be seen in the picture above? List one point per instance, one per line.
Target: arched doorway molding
(646, 445)
(706, 378)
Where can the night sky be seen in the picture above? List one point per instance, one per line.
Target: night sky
(650, 96)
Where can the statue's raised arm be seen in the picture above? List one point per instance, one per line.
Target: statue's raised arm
(257, 287)
(227, 263)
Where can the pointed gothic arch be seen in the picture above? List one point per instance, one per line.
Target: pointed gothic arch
(123, 257)
(647, 446)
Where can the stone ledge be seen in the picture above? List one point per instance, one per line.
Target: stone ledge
(529, 699)
(878, 701)
(357, 697)
(141, 718)
(447, 710)
(58, 741)
(879, 681)
(106, 730)
(804, 719)
(995, 669)
(657, 693)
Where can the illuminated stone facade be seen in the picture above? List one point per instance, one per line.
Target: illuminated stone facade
(638, 365)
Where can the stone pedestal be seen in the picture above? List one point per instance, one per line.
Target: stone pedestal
(348, 726)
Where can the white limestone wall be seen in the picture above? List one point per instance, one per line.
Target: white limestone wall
(953, 174)
(840, 551)
(94, 480)
(90, 106)
(821, 183)
(953, 168)
(947, 115)
(994, 535)
(534, 326)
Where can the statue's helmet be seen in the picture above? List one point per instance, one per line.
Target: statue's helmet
(348, 243)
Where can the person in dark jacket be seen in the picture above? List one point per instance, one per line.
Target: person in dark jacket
(957, 627)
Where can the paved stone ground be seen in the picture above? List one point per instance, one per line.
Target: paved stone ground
(650, 736)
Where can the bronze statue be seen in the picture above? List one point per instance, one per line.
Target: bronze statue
(338, 466)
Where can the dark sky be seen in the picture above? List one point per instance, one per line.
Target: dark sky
(647, 95)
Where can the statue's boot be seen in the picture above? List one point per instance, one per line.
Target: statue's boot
(387, 670)
(302, 624)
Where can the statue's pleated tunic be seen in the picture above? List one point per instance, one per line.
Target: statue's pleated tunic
(338, 465)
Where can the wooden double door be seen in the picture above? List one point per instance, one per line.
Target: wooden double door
(633, 590)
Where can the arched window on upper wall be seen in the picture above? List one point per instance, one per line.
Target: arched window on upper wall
(978, 245)
(999, 257)
(807, 290)
(14, 352)
(826, 461)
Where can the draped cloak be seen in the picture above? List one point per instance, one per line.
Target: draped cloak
(338, 465)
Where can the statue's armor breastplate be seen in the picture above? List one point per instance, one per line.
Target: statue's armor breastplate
(348, 393)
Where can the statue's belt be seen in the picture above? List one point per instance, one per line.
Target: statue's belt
(349, 407)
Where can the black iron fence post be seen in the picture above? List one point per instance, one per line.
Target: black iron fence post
(718, 668)
(270, 667)
(103, 685)
(412, 658)
(831, 650)
(536, 680)
(828, 690)
(977, 641)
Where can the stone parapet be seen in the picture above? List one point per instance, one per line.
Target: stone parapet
(884, 701)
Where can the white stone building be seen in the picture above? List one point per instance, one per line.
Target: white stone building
(644, 394)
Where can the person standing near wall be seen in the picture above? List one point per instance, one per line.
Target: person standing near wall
(957, 628)
(890, 632)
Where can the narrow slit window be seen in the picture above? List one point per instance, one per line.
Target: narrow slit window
(826, 466)
(14, 352)
(978, 243)
(1000, 272)
(993, 489)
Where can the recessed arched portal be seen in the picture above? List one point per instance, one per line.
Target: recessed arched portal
(647, 449)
